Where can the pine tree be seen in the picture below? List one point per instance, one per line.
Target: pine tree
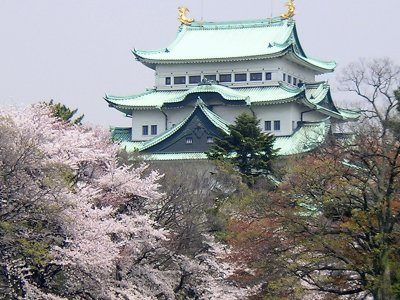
(64, 113)
(246, 146)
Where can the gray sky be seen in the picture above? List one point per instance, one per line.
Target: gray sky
(75, 51)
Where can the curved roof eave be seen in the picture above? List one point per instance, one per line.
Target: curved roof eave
(151, 63)
(326, 94)
(281, 93)
(143, 60)
(316, 65)
(288, 51)
(297, 40)
(126, 110)
(339, 115)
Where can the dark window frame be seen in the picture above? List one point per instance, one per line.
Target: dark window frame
(256, 76)
(240, 77)
(294, 81)
(284, 77)
(289, 79)
(153, 129)
(211, 77)
(145, 130)
(268, 76)
(178, 80)
(192, 79)
(268, 126)
(168, 81)
(277, 125)
(222, 77)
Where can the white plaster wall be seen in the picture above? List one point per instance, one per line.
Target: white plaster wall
(176, 116)
(276, 66)
(230, 113)
(146, 117)
(288, 114)
(156, 117)
(313, 116)
(300, 72)
(280, 112)
(285, 113)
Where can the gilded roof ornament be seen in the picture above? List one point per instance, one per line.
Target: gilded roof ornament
(291, 10)
(182, 10)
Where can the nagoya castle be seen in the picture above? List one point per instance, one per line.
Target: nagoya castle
(214, 71)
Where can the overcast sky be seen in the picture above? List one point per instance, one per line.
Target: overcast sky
(75, 51)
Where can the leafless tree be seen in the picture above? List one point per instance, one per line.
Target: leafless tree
(374, 82)
(193, 192)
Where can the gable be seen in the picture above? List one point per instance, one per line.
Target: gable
(197, 127)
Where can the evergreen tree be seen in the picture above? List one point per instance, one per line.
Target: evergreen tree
(246, 146)
(64, 113)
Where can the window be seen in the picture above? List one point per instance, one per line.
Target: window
(268, 76)
(289, 79)
(241, 77)
(210, 140)
(225, 77)
(194, 79)
(180, 80)
(167, 80)
(189, 140)
(300, 82)
(284, 77)
(145, 130)
(294, 81)
(267, 126)
(153, 129)
(277, 125)
(255, 76)
(211, 77)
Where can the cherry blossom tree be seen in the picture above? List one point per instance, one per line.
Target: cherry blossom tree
(71, 225)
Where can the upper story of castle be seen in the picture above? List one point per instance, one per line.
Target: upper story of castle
(235, 54)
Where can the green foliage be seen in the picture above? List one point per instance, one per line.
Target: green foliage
(64, 113)
(246, 147)
(5, 226)
(37, 252)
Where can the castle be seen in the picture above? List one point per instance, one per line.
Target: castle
(213, 72)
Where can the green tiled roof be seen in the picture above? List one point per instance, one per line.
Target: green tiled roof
(131, 146)
(316, 92)
(174, 156)
(349, 114)
(233, 41)
(121, 133)
(308, 137)
(252, 95)
(311, 95)
(318, 97)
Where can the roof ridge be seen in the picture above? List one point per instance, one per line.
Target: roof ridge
(249, 22)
